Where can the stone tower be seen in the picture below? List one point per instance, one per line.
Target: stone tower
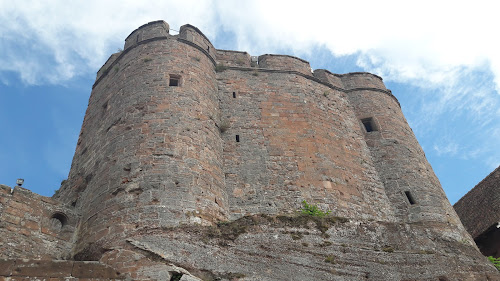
(194, 162)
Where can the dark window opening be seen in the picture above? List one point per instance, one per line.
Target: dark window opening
(410, 197)
(234, 95)
(369, 124)
(237, 138)
(174, 81)
(62, 218)
(176, 276)
(58, 220)
(208, 48)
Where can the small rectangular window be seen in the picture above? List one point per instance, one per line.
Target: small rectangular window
(234, 95)
(369, 124)
(174, 81)
(237, 138)
(410, 197)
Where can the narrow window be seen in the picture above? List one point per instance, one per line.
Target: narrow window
(234, 95)
(208, 48)
(237, 138)
(369, 124)
(174, 81)
(410, 197)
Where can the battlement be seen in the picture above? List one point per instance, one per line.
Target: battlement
(193, 35)
(235, 58)
(355, 80)
(285, 62)
(328, 77)
(147, 31)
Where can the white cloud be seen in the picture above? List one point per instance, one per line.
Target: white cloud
(448, 148)
(425, 41)
(51, 42)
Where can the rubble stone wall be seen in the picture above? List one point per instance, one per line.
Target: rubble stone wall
(34, 226)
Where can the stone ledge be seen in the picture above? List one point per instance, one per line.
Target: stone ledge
(56, 269)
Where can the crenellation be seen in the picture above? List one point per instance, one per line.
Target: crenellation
(234, 58)
(285, 62)
(194, 35)
(355, 80)
(195, 161)
(328, 77)
(147, 31)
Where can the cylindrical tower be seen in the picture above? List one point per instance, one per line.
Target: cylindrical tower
(149, 153)
(409, 180)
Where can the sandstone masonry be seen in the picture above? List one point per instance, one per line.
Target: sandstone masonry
(192, 164)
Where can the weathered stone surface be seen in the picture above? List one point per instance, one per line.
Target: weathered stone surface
(295, 248)
(194, 161)
(6, 267)
(93, 270)
(27, 227)
(42, 268)
(24, 269)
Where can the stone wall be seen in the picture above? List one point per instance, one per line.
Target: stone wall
(56, 270)
(283, 62)
(234, 58)
(192, 164)
(34, 226)
(290, 139)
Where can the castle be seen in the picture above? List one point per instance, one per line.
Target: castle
(193, 163)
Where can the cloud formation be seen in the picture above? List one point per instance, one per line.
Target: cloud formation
(426, 42)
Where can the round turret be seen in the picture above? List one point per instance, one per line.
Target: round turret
(409, 180)
(149, 153)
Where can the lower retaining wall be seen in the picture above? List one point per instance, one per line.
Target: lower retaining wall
(21, 269)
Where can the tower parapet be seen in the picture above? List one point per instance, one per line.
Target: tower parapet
(147, 31)
(235, 58)
(193, 35)
(356, 80)
(328, 77)
(285, 62)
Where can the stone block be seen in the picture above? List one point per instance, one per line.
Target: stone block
(6, 267)
(43, 268)
(88, 269)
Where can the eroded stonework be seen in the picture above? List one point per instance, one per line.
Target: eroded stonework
(192, 164)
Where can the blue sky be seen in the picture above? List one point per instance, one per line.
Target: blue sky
(440, 59)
